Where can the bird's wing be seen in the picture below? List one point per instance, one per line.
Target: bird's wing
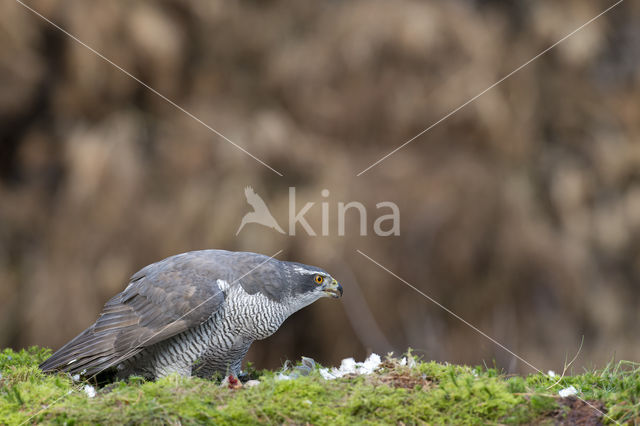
(255, 200)
(162, 300)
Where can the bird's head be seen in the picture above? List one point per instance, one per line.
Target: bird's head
(310, 283)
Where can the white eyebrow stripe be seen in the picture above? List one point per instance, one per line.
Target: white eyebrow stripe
(305, 271)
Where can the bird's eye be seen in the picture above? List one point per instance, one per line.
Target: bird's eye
(319, 279)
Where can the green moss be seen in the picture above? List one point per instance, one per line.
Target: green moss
(427, 392)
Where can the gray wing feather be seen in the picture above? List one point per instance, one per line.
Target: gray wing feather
(162, 300)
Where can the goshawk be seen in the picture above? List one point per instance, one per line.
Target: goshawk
(195, 313)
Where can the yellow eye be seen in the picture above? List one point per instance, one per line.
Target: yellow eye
(319, 279)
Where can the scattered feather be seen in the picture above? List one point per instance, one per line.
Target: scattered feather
(570, 391)
(304, 369)
(90, 391)
(347, 366)
(282, 376)
(350, 366)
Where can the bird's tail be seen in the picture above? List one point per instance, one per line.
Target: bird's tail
(88, 353)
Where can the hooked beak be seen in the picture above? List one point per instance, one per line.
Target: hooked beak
(334, 289)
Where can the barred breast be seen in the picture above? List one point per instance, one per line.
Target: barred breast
(245, 318)
(216, 346)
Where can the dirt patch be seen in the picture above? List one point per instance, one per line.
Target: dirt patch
(399, 379)
(577, 412)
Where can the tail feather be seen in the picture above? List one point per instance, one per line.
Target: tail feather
(95, 364)
(81, 351)
(64, 355)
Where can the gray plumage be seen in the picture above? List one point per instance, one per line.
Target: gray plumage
(195, 313)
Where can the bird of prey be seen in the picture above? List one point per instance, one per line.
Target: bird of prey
(195, 313)
(260, 213)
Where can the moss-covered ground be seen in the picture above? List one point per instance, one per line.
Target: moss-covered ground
(424, 392)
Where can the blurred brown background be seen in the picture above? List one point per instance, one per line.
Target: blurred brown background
(521, 212)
